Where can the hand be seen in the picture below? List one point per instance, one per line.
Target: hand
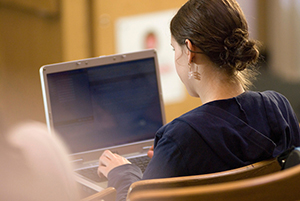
(150, 152)
(109, 161)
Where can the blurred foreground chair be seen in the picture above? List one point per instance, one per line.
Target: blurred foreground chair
(278, 186)
(35, 165)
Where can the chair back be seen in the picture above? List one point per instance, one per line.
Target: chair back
(289, 158)
(249, 171)
(278, 186)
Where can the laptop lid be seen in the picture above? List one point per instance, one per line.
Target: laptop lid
(110, 102)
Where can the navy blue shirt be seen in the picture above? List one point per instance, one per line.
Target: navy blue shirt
(217, 136)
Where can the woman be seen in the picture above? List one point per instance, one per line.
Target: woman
(233, 127)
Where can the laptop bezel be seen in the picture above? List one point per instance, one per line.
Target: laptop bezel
(126, 149)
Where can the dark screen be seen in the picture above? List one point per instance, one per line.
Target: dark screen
(107, 105)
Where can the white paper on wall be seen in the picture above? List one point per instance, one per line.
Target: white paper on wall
(140, 32)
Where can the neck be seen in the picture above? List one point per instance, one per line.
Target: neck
(218, 87)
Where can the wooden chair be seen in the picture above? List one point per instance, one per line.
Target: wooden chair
(249, 171)
(278, 186)
(108, 194)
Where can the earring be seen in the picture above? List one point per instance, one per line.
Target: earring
(190, 73)
(196, 75)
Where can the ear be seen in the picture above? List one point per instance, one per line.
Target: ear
(190, 50)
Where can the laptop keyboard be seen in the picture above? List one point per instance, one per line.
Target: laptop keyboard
(141, 162)
(91, 173)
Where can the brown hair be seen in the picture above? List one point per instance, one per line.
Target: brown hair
(219, 29)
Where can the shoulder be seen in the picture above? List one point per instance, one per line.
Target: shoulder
(267, 93)
(274, 95)
(269, 96)
(264, 95)
(268, 99)
(276, 100)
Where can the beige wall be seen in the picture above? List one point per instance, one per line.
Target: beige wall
(76, 28)
(28, 39)
(284, 38)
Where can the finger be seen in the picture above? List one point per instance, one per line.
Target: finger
(150, 152)
(108, 154)
(102, 171)
(105, 158)
(152, 147)
(104, 161)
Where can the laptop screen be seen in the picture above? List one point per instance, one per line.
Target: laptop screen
(107, 105)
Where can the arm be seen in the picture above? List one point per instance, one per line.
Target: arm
(167, 160)
(119, 172)
(122, 177)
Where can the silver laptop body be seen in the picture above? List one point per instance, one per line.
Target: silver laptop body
(109, 102)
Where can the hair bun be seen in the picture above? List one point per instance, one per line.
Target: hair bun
(238, 51)
(236, 39)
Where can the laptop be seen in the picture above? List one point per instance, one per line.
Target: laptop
(109, 102)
